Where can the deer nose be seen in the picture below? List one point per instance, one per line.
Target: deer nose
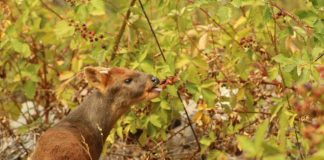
(155, 80)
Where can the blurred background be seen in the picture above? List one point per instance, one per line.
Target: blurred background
(249, 73)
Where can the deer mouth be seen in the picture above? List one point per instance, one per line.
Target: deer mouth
(155, 89)
(152, 93)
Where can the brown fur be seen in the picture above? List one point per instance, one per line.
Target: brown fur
(81, 135)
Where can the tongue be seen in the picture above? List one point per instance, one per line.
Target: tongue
(157, 89)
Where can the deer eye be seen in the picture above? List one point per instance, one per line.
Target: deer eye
(128, 81)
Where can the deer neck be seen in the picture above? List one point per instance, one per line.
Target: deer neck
(97, 114)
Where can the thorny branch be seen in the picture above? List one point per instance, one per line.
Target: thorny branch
(293, 17)
(179, 96)
(319, 57)
(274, 41)
(156, 39)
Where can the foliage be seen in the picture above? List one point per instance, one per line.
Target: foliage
(253, 67)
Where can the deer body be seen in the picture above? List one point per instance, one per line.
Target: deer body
(81, 135)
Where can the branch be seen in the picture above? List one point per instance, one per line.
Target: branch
(319, 57)
(189, 122)
(179, 96)
(274, 83)
(296, 130)
(121, 31)
(251, 112)
(300, 23)
(149, 22)
(51, 10)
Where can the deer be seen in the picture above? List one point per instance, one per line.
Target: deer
(82, 133)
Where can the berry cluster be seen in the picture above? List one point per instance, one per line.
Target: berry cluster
(280, 14)
(87, 34)
(168, 81)
(250, 43)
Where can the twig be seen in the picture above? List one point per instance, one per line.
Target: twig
(319, 57)
(190, 123)
(252, 112)
(294, 124)
(293, 17)
(221, 27)
(274, 40)
(274, 37)
(149, 23)
(246, 126)
(274, 83)
(158, 44)
(121, 31)
(14, 136)
(51, 10)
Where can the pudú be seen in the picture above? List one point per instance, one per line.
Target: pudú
(82, 133)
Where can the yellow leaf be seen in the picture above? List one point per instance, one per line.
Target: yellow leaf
(289, 43)
(205, 119)
(240, 94)
(66, 75)
(197, 116)
(202, 107)
(239, 22)
(203, 41)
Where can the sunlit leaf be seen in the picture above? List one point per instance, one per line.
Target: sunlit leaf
(155, 120)
(21, 48)
(62, 30)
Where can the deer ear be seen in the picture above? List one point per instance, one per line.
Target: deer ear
(97, 77)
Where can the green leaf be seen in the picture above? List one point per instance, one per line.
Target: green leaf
(63, 30)
(31, 72)
(111, 136)
(267, 15)
(206, 141)
(247, 146)
(30, 89)
(82, 12)
(276, 157)
(21, 47)
(282, 59)
(182, 61)
(260, 134)
(97, 7)
(165, 105)
(120, 132)
(199, 62)
(151, 130)
(142, 55)
(148, 67)
(287, 78)
(155, 120)
(283, 125)
(319, 155)
(209, 96)
(273, 72)
(224, 14)
(12, 110)
(172, 90)
(236, 3)
(318, 3)
(143, 138)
